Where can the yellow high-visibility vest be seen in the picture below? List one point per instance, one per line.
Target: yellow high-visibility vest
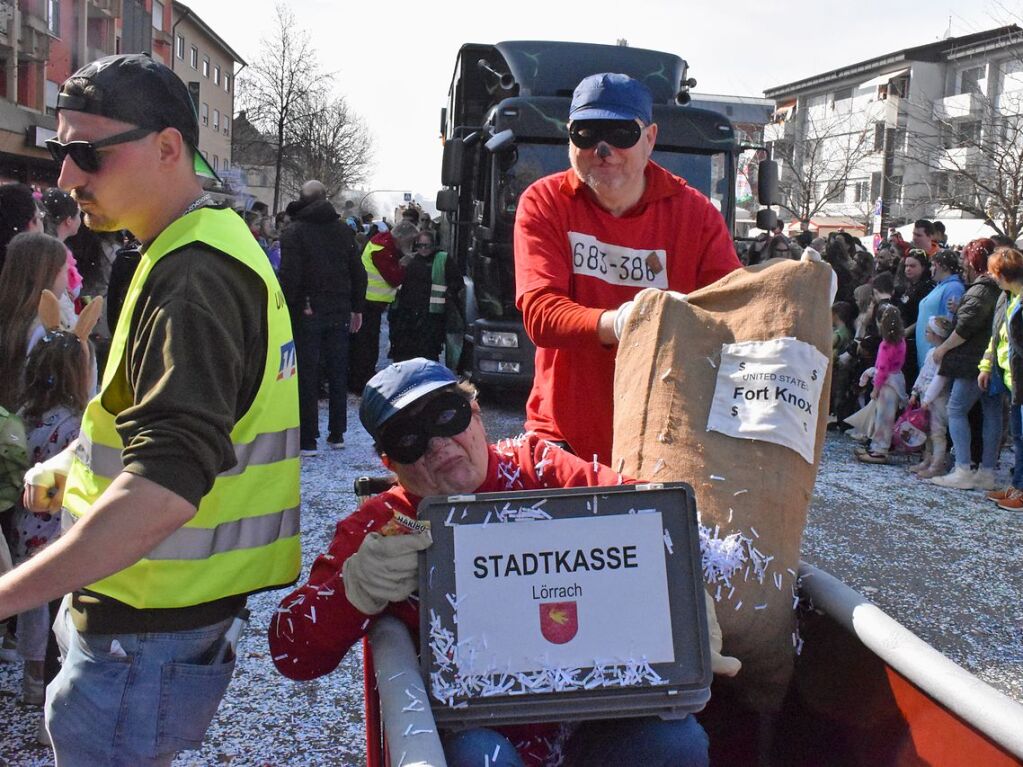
(377, 288)
(245, 535)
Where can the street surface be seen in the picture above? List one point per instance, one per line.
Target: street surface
(943, 562)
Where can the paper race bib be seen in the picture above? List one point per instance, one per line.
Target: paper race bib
(770, 390)
(616, 264)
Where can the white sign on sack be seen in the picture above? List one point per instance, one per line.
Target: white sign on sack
(562, 593)
(770, 390)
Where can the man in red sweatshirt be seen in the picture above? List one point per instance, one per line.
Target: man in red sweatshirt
(587, 240)
(429, 432)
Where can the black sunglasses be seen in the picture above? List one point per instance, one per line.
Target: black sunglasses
(84, 153)
(621, 134)
(406, 439)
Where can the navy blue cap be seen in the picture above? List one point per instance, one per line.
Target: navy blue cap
(610, 96)
(396, 387)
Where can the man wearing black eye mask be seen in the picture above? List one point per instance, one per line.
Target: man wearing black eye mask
(427, 427)
(587, 240)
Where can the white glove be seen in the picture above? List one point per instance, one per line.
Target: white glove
(384, 569)
(622, 315)
(44, 482)
(725, 665)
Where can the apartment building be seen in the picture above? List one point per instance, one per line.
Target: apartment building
(899, 136)
(43, 42)
(200, 57)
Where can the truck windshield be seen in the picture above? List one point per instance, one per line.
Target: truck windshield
(706, 172)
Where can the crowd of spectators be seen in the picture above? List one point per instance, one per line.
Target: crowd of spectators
(923, 353)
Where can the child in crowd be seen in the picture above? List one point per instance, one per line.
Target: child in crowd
(56, 390)
(931, 393)
(889, 385)
(35, 262)
(843, 360)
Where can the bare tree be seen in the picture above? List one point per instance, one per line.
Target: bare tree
(816, 169)
(279, 88)
(330, 144)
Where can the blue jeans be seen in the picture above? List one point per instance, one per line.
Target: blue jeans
(1016, 429)
(322, 340)
(965, 393)
(133, 699)
(472, 748)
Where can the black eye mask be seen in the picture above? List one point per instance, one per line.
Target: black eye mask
(407, 437)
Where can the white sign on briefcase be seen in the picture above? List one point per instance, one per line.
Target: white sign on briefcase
(528, 600)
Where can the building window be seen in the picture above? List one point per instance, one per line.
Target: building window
(215, 162)
(227, 83)
(193, 57)
(158, 15)
(204, 114)
(53, 17)
(179, 46)
(842, 95)
(227, 126)
(879, 128)
(216, 75)
(206, 66)
(969, 80)
(216, 119)
(861, 191)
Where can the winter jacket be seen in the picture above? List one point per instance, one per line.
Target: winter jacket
(973, 323)
(320, 263)
(1014, 321)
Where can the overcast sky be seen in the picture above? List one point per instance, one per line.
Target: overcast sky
(393, 61)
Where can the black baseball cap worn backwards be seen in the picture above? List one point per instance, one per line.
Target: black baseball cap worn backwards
(136, 89)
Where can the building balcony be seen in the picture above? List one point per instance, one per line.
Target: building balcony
(34, 41)
(959, 106)
(779, 131)
(960, 157)
(6, 21)
(109, 8)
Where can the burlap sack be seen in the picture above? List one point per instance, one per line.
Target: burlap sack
(752, 495)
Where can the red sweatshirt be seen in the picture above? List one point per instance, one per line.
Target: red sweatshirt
(574, 260)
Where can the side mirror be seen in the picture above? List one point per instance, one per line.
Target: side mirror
(767, 219)
(767, 183)
(501, 142)
(451, 164)
(447, 200)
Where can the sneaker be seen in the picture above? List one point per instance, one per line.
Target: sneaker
(309, 452)
(336, 441)
(960, 478)
(33, 688)
(871, 457)
(984, 479)
(42, 736)
(1013, 502)
(1001, 495)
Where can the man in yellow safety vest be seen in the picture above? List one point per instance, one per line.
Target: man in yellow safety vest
(182, 492)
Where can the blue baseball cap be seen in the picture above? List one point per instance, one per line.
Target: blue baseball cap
(610, 96)
(396, 387)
